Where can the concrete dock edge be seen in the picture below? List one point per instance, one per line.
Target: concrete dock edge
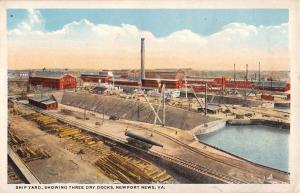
(22, 167)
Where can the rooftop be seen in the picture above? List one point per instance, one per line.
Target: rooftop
(273, 83)
(49, 74)
(160, 79)
(49, 102)
(43, 99)
(89, 74)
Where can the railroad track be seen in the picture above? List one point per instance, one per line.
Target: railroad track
(200, 169)
(195, 150)
(211, 157)
(108, 135)
(187, 164)
(203, 153)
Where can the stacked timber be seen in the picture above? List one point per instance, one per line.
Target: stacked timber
(13, 139)
(14, 178)
(130, 170)
(115, 161)
(29, 154)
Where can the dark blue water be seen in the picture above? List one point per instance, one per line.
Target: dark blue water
(261, 144)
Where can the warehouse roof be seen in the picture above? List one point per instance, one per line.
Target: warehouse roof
(89, 74)
(43, 99)
(160, 79)
(50, 74)
(39, 98)
(273, 83)
(49, 102)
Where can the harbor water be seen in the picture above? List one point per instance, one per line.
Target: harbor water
(260, 144)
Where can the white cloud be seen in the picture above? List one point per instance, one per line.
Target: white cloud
(232, 35)
(241, 35)
(86, 36)
(33, 22)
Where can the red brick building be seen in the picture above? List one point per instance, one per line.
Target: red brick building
(90, 78)
(94, 78)
(155, 83)
(267, 97)
(53, 80)
(43, 102)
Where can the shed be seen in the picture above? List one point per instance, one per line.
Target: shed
(212, 108)
(44, 102)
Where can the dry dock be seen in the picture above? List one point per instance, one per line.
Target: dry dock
(180, 154)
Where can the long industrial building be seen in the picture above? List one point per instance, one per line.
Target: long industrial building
(53, 80)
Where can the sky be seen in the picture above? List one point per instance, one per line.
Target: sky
(205, 39)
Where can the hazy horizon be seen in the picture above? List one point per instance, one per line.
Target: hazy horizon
(82, 69)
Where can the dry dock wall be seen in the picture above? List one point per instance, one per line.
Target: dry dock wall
(271, 123)
(231, 100)
(218, 124)
(134, 110)
(208, 128)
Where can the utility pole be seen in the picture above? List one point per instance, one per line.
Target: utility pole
(152, 108)
(103, 115)
(192, 89)
(263, 86)
(164, 105)
(142, 75)
(246, 72)
(205, 112)
(234, 72)
(158, 108)
(234, 78)
(138, 115)
(223, 84)
(271, 82)
(185, 87)
(258, 71)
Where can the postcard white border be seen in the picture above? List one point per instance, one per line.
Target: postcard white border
(294, 50)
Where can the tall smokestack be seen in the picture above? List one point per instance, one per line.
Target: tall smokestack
(258, 71)
(142, 58)
(234, 72)
(246, 72)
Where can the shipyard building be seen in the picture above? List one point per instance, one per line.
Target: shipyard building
(53, 80)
